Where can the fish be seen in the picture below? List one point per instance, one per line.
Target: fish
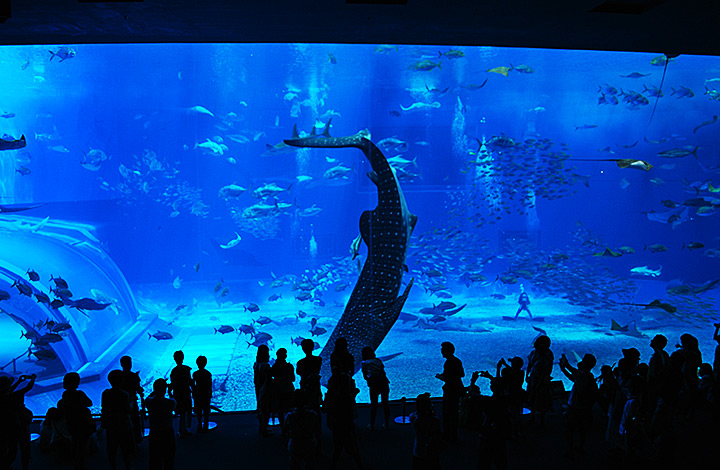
(87, 303)
(646, 271)
(231, 190)
(160, 335)
(4, 295)
(586, 126)
(63, 53)
(425, 65)
(32, 275)
(23, 288)
(522, 68)
(269, 190)
(12, 144)
(199, 110)
(420, 106)
(683, 92)
(224, 329)
(374, 304)
(501, 70)
(274, 297)
(679, 152)
(251, 307)
(692, 246)
(452, 54)
(656, 248)
(706, 123)
(232, 242)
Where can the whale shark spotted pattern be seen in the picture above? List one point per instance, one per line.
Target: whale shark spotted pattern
(374, 305)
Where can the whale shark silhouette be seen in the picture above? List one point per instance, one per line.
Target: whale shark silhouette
(374, 305)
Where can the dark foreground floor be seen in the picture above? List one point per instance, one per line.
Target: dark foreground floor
(235, 444)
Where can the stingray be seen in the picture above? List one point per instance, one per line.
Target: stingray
(630, 329)
(654, 304)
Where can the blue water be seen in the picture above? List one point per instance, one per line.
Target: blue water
(118, 139)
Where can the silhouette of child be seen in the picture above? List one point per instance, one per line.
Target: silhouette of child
(116, 419)
(180, 389)
(283, 374)
(263, 388)
(428, 442)
(202, 392)
(302, 426)
(75, 407)
(340, 407)
(161, 442)
(374, 372)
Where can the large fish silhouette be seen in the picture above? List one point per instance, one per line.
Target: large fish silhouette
(374, 305)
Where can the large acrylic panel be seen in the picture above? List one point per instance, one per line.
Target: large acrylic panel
(586, 179)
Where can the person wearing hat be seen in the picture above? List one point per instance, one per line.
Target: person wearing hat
(581, 400)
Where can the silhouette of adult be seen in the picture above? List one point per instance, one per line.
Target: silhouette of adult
(341, 360)
(453, 388)
(496, 427)
(308, 368)
(302, 426)
(374, 372)
(131, 385)
(262, 376)
(658, 381)
(75, 407)
(340, 408)
(202, 392)
(116, 420)
(180, 389)
(283, 374)
(539, 376)
(428, 442)
(161, 442)
(15, 420)
(580, 402)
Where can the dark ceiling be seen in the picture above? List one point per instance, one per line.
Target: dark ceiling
(671, 26)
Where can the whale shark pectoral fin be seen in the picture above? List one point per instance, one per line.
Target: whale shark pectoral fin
(374, 177)
(366, 226)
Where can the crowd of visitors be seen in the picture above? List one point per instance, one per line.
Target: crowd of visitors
(639, 403)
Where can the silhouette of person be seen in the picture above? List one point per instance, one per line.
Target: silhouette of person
(539, 376)
(131, 384)
(341, 360)
(262, 374)
(658, 380)
(428, 442)
(302, 426)
(308, 368)
(524, 301)
(116, 419)
(496, 426)
(202, 393)
(161, 441)
(340, 408)
(581, 400)
(716, 359)
(452, 375)
(75, 407)
(283, 374)
(15, 420)
(514, 378)
(180, 389)
(374, 372)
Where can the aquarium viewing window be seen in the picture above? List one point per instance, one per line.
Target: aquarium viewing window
(147, 190)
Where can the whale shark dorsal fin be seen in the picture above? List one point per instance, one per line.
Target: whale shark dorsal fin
(326, 131)
(295, 134)
(313, 132)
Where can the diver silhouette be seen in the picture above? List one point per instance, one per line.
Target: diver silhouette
(524, 301)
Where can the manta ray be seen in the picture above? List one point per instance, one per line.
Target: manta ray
(374, 305)
(12, 144)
